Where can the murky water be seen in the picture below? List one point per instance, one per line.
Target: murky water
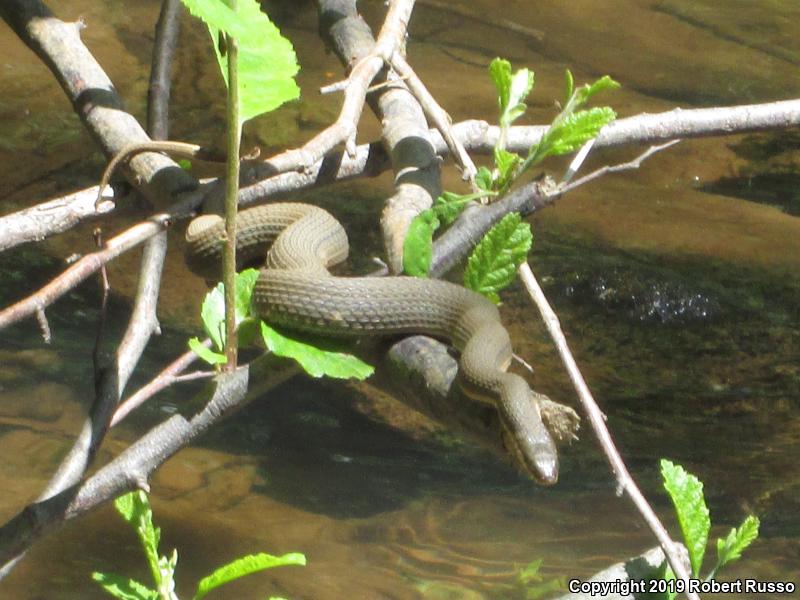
(677, 286)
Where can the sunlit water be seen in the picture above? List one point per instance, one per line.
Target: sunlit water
(677, 287)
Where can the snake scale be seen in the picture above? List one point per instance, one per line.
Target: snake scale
(295, 290)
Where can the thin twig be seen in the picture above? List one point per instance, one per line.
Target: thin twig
(627, 166)
(101, 324)
(437, 115)
(234, 137)
(163, 380)
(596, 418)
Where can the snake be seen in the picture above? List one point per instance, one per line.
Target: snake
(296, 290)
(296, 244)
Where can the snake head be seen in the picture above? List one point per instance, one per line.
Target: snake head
(528, 440)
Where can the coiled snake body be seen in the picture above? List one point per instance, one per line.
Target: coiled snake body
(296, 290)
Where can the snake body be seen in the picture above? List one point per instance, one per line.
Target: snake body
(295, 290)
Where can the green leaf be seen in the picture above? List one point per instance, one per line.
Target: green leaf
(314, 360)
(448, 206)
(570, 84)
(212, 313)
(245, 282)
(493, 264)
(731, 548)
(245, 566)
(123, 587)
(686, 492)
(506, 164)
(213, 310)
(418, 245)
(135, 509)
(512, 90)
(578, 128)
(500, 72)
(483, 179)
(267, 61)
(207, 354)
(585, 92)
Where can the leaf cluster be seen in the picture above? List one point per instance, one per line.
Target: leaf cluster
(686, 492)
(492, 265)
(135, 510)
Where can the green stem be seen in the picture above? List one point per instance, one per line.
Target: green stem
(231, 193)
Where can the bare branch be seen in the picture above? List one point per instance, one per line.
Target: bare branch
(82, 269)
(405, 131)
(597, 420)
(364, 71)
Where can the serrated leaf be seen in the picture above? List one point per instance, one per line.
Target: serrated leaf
(483, 179)
(493, 264)
(418, 245)
(506, 164)
(207, 354)
(577, 129)
(585, 92)
(135, 509)
(316, 361)
(267, 61)
(124, 588)
(731, 548)
(500, 72)
(686, 492)
(512, 90)
(245, 566)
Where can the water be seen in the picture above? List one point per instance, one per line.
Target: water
(676, 285)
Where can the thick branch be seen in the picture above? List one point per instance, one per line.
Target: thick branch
(371, 160)
(128, 471)
(405, 131)
(363, 72)
(158, 93)
(93, 95)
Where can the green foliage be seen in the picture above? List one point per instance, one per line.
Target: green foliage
(568, 132)
(731, 548)
(124, 588)
(316, 361)
(245, 566)
(493, 264)
(418, 245)
(534, 584)
(267, 61)
(573, 127)
(135, 509)
(512, 90)
(212, 314)
(686, 492)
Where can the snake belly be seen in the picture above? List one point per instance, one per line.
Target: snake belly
(295, 290)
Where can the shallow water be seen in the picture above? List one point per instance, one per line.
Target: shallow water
(676, 285)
